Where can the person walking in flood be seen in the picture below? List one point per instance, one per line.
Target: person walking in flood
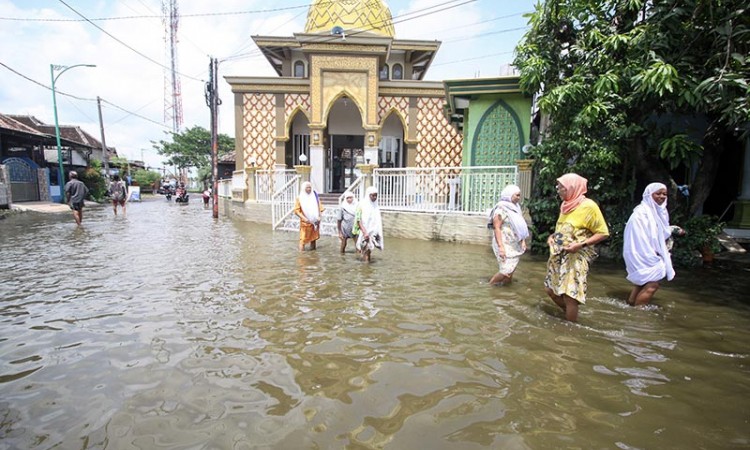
(509, 233)
(646, 245)
(345, 219)
(118, 192)
(308, 208)
(76, 192)
(368, 224)
(579, 228)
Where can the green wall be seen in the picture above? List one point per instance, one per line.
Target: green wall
(516, 105)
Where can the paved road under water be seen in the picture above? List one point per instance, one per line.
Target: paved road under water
(168, 330)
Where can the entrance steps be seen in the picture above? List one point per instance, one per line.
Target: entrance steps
(328, 225)
(329, 199)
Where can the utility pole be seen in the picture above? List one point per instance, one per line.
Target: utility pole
(213, 101)
(105, 155)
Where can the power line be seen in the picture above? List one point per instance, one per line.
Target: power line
(404, 18)
(45, 86)
(467, 38)
(126, 45)
(145, 16)
(57, 92)
(472, 59)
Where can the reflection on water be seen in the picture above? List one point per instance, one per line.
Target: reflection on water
(166, 329)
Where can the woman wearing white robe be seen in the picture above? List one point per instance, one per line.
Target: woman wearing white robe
(369, 224)
(645, 247)
(309, 209)
(509, 233)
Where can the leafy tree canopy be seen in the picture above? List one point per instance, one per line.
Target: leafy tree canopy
(192, 148)
(635, 91)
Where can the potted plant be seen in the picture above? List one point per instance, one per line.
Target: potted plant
(701, 237)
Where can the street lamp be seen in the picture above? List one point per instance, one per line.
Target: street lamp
(63, 69)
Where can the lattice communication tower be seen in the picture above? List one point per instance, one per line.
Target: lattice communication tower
(172, 89)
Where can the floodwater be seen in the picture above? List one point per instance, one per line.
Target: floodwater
(169, 330)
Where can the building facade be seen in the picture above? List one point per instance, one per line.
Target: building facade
(348, 93)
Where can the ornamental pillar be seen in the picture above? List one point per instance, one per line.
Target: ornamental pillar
(524, 176)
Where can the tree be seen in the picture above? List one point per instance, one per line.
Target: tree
(192, 148)
(651, 88)
(146, 178)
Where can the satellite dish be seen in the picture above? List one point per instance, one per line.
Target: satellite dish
(526, 148)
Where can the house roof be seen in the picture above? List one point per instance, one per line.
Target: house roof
(73, 134)
(228, 157)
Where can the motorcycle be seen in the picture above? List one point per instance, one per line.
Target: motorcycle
(182, 197)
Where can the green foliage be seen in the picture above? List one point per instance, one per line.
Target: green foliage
(614, 77)
(146, 177)
(701, 233)
(93, 179)
(192, 148)
(679, 148)
(120, 163)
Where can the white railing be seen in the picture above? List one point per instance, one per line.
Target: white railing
(357, 188)
(225, 188)
(282, 201)
(268, 182)
(465, 190)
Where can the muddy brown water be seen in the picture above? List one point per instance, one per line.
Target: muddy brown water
(169, 330)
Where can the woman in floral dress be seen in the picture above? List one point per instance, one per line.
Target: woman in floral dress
(509, 233)
(579, 228)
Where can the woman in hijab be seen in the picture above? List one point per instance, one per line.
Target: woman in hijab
(579, 228)
(647, 243)
(308, 208)
(345, 222)
(368, 224)
(509, 232)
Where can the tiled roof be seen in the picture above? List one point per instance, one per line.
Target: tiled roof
(71, 133)
(10, 123)
(228, 158)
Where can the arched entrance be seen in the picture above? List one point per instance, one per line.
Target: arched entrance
(299, 141)
(391, 152)
(345, 145)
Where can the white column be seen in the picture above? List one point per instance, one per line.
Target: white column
(371, 154)
(318, 164)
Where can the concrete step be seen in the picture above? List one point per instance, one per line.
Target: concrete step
(329, 199)
(328, 225)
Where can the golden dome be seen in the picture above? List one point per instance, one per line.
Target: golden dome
(352, 15)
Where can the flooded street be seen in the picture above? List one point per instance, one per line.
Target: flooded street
(170, 330)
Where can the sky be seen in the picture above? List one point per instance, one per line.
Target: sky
(126, 40)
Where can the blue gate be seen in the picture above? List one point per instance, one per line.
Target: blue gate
(24, 183)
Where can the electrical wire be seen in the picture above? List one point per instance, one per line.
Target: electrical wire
(403, 18)
(148, 58)
(138, 17)
(57, 92)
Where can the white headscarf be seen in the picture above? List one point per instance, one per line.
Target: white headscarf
(351, 208)
(645, 249)
(514, 211)
(370, 217)
(309, 203)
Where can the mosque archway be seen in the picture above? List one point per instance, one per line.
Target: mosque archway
(299, 140)
(344, 142)
(391, 150)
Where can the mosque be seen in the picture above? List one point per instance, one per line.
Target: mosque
(348, 93)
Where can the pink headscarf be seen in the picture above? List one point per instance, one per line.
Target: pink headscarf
(576, 188)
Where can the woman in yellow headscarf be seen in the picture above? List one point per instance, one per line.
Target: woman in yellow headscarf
(579, 228)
